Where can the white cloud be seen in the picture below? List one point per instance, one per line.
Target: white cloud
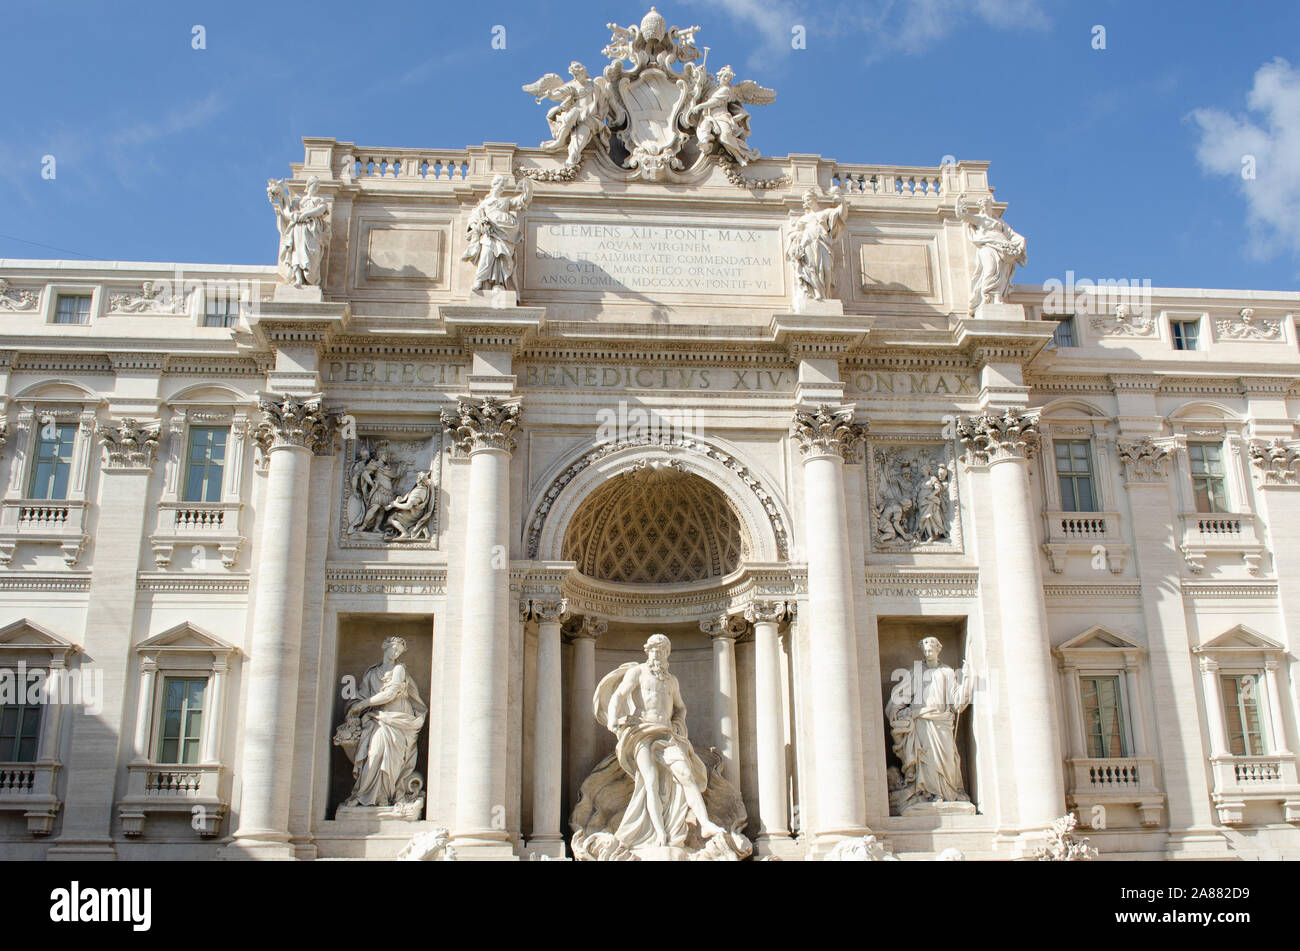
(1272, 137)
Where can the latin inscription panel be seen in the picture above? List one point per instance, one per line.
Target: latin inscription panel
(654, 259)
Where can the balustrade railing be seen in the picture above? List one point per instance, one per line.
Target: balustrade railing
(395, 164)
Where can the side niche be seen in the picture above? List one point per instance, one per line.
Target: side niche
(912, 501)
(390, 490)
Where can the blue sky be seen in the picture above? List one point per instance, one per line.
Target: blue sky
(1117, 163)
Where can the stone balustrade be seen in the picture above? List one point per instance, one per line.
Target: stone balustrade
(29, 788)
(1239, 780)
(198, 523)
(191, 790)
(1110, 781)
(891, 181)
(1204, 535)
(401, 164)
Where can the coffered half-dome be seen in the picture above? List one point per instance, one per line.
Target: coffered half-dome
(655, 525)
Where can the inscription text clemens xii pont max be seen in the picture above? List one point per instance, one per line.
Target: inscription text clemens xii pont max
(654, 259)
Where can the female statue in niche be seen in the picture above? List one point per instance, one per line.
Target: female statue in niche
(379, 734)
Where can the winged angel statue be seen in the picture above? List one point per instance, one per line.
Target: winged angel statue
(654, 110)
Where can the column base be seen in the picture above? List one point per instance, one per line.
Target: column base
(775, 846)
(550, 846)
(82, 850)
(260, 847)
(483, 845)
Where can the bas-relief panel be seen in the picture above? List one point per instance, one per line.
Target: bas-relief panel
(390, 491)
(912, 497)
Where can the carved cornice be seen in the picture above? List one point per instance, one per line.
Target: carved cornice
(991, 438)
(1276, 462)
(1145, 461)
(171, 583)
(1092, 592)
(1240, 589)
(960, 583)
(290, 422)
(828, 431)
(129, 444)
(63, 581)
(489, 423)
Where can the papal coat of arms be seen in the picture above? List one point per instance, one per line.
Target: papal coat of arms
(656, 111)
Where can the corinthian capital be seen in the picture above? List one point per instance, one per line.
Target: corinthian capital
(1276, 462)
(290, 421)
(489, 423)
(1144, 460)
(989, 437)
(827, 431)
(129, 444)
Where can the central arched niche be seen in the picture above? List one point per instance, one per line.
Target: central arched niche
(655, 524)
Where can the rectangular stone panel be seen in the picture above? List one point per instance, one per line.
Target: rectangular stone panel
(654, 259)
(896, 268)
(404, 253)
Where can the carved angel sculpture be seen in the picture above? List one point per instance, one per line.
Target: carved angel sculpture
(720, 119)
(581, 114)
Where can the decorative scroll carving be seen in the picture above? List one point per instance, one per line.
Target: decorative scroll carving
(129, 444)
(914, 497)
(828, 431)
(1276, 462)
(290, 421)
(770, 611)
(17, 298)
(1248, 327)
(989, 438)
(1125, 323)
(666, 441)
(544, 610)
(1143, 459)
(153, 297)
(489, 423)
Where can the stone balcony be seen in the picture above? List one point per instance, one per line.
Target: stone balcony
(1242, 779)
(29, 788)
(1115, 781)
(1069, 533)
(1231, 534)
(192, 791)
(198, 523)
(57, 521)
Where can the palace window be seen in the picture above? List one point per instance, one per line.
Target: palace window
(1242, 696)
(1063, 336)
(1103, 717)
(1074, 475)
(1185, 334)
(205, 463)
(72, 309)
(20, 730)
(53, 463)
(1208, 479)
(181, 729)
(221, 310)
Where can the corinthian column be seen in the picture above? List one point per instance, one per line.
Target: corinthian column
(769, 731)
(582, 720)
(726, 705)
(826, 437)
(1005, 444)
(291, 431)
(485, 430)
(548, 751)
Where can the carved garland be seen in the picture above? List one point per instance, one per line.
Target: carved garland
(562, 481)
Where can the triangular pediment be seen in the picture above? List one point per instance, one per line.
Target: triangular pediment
(185, 637)
(26, 635)
(1241, 638)
(1098, 638)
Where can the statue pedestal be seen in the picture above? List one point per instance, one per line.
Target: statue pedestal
(830, 308)
(940, 809)
(1000, 312)
(405, 812)
(498, 298)
(288, 292)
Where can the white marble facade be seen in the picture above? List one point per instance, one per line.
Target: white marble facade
(523, 448)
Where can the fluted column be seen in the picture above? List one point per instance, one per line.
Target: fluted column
(484, 429)
(582, 719)
(825, 437)
(1005, 443)
(1214, 707)
(548, 750)
(726, 705)
(769, 726)
(291, 431)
